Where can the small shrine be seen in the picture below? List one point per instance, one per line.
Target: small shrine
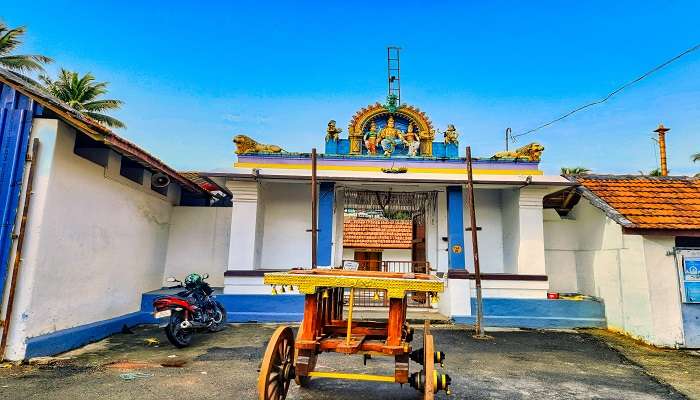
(390, 137)
(391, 130)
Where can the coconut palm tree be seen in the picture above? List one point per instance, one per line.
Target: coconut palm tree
(10, 40)
(653, 172)
(695, 157)
(82, 94)
(574, 170)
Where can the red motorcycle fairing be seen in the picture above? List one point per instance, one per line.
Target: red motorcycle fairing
(171, 301)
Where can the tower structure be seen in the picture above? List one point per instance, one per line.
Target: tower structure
(393, 73)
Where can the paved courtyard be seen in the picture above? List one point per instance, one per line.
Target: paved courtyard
(514, 365)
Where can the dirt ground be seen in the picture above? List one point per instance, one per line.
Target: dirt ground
(514, 365)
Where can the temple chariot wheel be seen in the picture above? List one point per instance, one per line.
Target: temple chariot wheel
(277, 368)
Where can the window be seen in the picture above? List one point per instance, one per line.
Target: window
(131, 170)
(91, 149)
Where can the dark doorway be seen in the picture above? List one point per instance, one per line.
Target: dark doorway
(369, 260)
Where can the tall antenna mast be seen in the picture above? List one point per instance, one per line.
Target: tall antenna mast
(394, 72)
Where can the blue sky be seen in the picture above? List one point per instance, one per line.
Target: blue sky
(194, 75)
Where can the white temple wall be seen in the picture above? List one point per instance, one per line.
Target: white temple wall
(511, 229)
(490, 238)
(287, 217)
(198, 242)
(632, 274)
(94, 241)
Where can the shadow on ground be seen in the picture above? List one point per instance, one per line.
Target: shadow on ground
(514, 365)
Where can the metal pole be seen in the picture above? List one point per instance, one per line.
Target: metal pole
(475, 248)
(20, 244)
(314, 210)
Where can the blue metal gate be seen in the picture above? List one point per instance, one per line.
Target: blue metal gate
(16, 113)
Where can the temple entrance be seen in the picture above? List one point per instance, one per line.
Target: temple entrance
(386, 231)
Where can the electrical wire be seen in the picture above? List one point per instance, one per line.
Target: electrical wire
(611, 94)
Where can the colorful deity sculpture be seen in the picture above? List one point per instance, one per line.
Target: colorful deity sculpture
(371, 139)
(411, 141)
(451, 135)
(388, 137)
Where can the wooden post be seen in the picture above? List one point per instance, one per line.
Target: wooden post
(475, 248)
(351, 302)
(661, 130)
(314, 211)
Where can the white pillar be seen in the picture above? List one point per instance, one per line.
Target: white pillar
(531, 232)
(246, 221)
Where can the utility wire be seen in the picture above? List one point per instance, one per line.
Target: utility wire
(611, 94)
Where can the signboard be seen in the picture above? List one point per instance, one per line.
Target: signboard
(351, 265)
(691, 279)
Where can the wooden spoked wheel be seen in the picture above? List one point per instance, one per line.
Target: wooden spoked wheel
(429, 366)
(277, 369)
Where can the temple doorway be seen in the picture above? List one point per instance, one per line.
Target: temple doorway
(386, 231)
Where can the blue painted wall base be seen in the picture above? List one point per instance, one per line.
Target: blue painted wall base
(517, 313)
(538, 313)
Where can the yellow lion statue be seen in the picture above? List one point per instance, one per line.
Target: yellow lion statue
(529, 152)
(246, 145)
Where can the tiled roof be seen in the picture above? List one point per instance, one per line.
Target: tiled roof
(643, 202)
(377, 233)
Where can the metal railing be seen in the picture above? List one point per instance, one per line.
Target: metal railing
(377, 298)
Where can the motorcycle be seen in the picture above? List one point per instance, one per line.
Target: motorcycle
(189, 310)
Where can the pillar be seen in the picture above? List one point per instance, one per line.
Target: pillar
(246, 222)
(455, 227)
(326, 204)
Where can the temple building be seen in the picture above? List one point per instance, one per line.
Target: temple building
(93, 225)
(395, 161)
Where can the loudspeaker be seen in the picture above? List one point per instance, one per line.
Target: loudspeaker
(160, 180)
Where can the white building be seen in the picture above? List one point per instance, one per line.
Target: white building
(91, 238)
(633, 242)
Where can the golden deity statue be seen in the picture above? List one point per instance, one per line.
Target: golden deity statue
(451, 135)
(388, 137)
(332, 132)
(411, 141)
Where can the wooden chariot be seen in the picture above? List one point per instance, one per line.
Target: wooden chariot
(324, 329)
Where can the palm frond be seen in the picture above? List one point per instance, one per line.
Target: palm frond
(24, 63)
(695, 157)
(101, 105)
(105, 119)
(10, 38)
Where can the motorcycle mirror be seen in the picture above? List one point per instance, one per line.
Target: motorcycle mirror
(171, 279)
(205, 276)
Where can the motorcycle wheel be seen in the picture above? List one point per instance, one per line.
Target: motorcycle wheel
(220, 320)
(176, 335)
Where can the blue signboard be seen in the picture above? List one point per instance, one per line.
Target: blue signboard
(691, 279)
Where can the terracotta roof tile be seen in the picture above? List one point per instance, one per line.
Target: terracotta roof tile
(377, 233)
(649, 202)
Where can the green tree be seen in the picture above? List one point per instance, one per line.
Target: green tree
(10, 40)
(653, 172)
(696, 157)
(574, 170)
(82, 94)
